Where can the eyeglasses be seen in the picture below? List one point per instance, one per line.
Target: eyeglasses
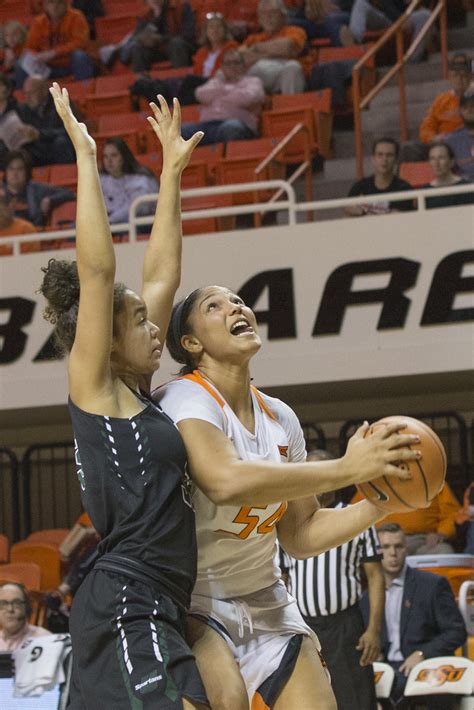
(15, 603)
(212, 15)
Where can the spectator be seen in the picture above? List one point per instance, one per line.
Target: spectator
(31, 200)
(14, 37)
(8, 106)
(231, 103)
(166, 32)
(123, 179)
(442, 161)
(465, 518)
(422, 619)
(15, 609)
(320, 19)
(50, 142)
(461, 141)
(443, 116)
(367, 15)
(327, 589)
(56, 44)
(14, 226)
(431, 530)
(384, 180)
(272, 54)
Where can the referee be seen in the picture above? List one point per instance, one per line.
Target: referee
(327, 589)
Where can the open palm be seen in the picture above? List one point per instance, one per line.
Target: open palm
(167, 126)
(76, 131)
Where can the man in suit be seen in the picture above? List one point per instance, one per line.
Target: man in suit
(421, 617)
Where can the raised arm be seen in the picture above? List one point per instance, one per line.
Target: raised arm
(162, 266)
(89, 363)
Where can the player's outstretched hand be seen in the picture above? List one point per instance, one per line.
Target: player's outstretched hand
(380, 453)
(167, 126)
(83, 143)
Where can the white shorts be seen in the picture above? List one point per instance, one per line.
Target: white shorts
(258, 628)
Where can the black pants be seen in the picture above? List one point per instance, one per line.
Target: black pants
(339, 633)
(432, 702)
(128, 648)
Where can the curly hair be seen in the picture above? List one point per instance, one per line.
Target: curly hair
(61, 288)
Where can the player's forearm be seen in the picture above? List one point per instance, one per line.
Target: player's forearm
(376, 592)
(331, 528)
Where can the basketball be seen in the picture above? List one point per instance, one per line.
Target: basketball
(428, 473)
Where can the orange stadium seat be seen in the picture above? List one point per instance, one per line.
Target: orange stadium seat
(26, 573)
(52, 536)
(4, 549)
(122, 7)
(417, 174)
(194, 175)
(63, 175)
(43, 554)
(97, 105)
(114, 83)
(41, 174)
(320, 103)
(130, 126)
(153, 161)
(112, 29)
(15, 10)
(256, 147)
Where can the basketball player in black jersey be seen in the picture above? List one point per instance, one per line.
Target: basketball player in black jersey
(127, 619)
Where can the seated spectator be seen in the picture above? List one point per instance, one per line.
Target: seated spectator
(8, 106)
(15, 610)
(166, 32)
(30, 200)
(421, 618)
(13, 226)
(215, 41)
(231, 103)
(461, 141)
(56, 45)
(431, 530)
(272, 54)
(14, 37)
(384, 180)
(320, 19)
(465, 518)
(442, 162)
(443, 116)
(123, 179)
(367, 15)
(50, 143)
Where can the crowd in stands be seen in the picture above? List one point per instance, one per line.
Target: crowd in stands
(228, 61)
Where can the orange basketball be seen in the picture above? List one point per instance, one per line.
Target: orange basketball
(428, 473)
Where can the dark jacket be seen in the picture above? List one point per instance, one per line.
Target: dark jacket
(30, 200)
(45, 118)
(430, 619)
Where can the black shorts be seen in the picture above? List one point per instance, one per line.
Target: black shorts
(129, 650)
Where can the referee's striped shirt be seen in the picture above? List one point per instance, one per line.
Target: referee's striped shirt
(331, 582)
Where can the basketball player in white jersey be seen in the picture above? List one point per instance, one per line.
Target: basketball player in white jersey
(251, 644)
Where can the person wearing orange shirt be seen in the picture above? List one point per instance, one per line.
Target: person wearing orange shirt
(58, 38)
(11, 226)
(272, 55)
(428, 530)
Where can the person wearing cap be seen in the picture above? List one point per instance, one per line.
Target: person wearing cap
(443, 116)
(461, 141)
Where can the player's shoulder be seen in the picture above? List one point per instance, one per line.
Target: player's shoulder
(282, 412)
(176, 388)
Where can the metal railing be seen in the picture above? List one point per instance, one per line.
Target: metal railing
(395, 30)
(293, 208)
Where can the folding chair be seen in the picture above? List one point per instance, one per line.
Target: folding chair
(26, 573)
(384, 676)
(43, 554)
(444, 675)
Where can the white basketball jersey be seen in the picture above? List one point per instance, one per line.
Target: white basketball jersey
(236, 544)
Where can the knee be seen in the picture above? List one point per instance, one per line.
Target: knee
(230, 699)
(230, 130)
